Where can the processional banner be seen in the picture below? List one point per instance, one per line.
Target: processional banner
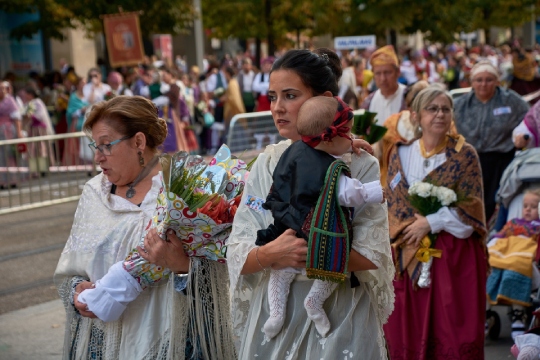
(124, 41)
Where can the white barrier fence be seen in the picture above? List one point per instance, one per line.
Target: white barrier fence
(44, 170)
(48, 170)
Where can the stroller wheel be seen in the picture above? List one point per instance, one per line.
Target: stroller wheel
(493, 325)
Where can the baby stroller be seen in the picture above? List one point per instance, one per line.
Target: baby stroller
(522, 173)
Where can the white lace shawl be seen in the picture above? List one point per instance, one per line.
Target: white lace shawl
(371, 239)
(154, 326)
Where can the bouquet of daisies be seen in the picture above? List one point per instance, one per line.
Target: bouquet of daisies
(427, 199)
(198, 201)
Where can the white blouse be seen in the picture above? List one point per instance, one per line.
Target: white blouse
(416, 168)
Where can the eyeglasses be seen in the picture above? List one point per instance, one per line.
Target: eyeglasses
(434, 110)
(94, 75)
(105, 149)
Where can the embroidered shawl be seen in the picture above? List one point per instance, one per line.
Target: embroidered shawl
(461, 172)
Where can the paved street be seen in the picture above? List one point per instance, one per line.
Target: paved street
(31, 325)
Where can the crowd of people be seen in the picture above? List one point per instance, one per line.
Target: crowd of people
(200, 103)
(414, 286)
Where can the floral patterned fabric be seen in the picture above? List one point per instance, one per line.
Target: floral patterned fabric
(356, 314)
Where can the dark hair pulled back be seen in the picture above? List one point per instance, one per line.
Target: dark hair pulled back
(320, 69)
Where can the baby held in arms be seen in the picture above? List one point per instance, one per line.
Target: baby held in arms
(313, 194)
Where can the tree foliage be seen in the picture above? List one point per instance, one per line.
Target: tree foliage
(442, 19)
(274, 19)
(157, 16)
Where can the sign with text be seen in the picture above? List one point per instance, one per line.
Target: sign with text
(355, 42)
(124, 42)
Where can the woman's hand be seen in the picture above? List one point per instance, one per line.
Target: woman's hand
(83, 308)
(415, 232)
(167, 253)
(285, 251)
(358, 144)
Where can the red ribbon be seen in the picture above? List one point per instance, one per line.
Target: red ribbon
(344, 114)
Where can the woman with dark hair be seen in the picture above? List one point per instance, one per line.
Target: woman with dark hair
(356, 311)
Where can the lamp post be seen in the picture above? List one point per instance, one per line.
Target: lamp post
(198, 32)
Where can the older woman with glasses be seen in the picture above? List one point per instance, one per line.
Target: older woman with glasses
(114, 210)
(443, 319)
(95, 90)
(486, 117)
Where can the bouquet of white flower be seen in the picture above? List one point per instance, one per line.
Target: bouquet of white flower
(427, 199)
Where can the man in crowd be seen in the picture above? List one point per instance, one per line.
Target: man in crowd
(245, 80)
(261, 83)
(389, 97)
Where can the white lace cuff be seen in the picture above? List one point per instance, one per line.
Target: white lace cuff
(447, 219)
(353, 193)
(374, 194)
(112, 293)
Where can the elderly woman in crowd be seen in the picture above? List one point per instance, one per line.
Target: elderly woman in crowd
(356, 311)
(10, 128)
(116, 81)
(37, 122)
(486, 118)
(108, 225)
(444, 319)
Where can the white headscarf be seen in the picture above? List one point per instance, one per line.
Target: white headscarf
(484, 66)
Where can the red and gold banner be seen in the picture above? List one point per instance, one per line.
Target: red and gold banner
(124, 42)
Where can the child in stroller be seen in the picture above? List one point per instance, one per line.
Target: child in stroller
(513, 251)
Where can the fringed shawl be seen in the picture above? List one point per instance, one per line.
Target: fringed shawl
(460, 172)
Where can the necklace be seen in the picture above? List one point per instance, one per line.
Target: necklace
(144, 172)
(426, 155)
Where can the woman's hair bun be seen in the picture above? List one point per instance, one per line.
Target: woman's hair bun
(332, 60)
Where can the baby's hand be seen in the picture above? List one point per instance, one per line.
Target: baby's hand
(358, 144)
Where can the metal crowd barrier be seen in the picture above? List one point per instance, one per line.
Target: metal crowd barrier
(253, 131)
(44, 170)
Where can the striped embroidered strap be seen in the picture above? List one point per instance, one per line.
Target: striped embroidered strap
(329, 237)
